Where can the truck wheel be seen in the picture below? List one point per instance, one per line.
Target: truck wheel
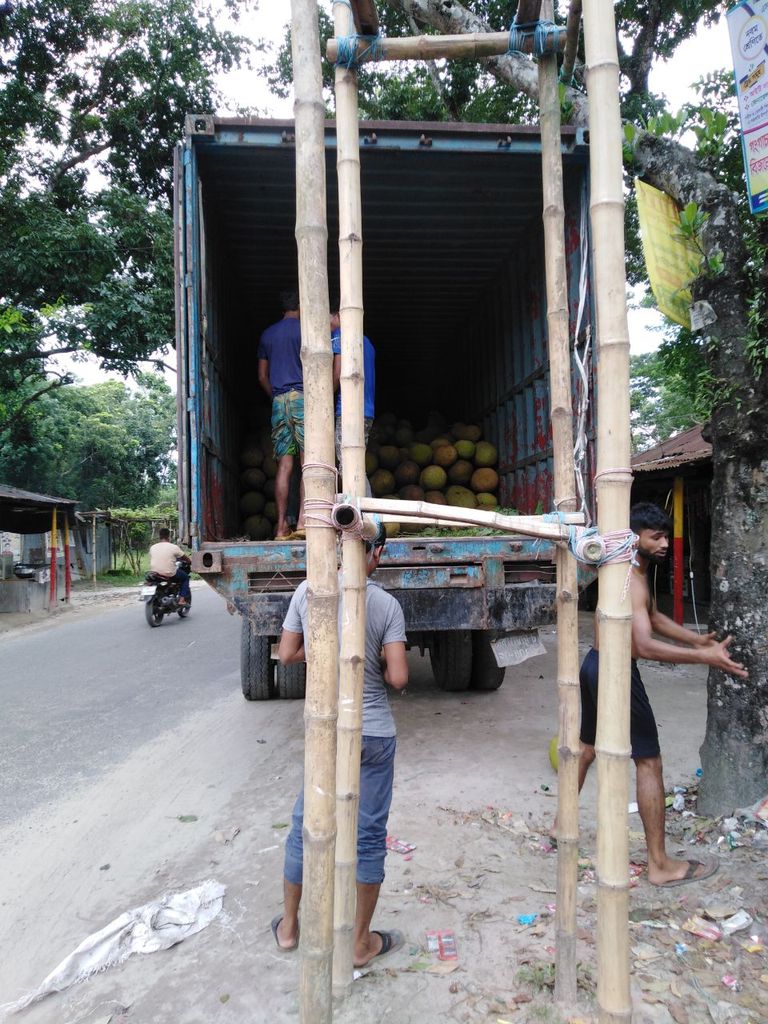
(486, 674)
(291, 681)
(257, 670)
(451, 658)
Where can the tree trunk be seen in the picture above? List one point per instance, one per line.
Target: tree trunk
(734, 754)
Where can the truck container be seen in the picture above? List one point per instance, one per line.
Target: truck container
(455, 304)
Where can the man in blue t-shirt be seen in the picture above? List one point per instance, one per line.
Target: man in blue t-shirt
(369, 369)
(281, 377)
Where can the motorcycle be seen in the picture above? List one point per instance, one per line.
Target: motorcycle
(161, 597)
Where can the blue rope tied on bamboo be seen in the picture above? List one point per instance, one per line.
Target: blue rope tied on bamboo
(545, 36)
(589, 546)
(348, 57)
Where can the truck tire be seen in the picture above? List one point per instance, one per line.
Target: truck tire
(486, 674)
(291, 681)
(451, 657)
(257, 670)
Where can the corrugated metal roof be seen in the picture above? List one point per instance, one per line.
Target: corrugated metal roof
(686, 447)
(27, 512)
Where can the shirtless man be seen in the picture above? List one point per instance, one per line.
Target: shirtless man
(652, 527)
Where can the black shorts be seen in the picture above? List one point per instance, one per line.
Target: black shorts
(644, 736)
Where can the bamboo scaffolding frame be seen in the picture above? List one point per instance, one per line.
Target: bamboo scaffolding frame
(561, 415)
(320, 708)
(613, 482)
(472, 45)
(354, 575)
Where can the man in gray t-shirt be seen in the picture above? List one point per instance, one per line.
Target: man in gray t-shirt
(385, 664)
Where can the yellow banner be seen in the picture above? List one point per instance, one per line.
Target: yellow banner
(672, 261)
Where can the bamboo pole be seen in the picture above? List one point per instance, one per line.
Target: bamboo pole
(320, 707)
(54, 555)
(354, 576)
(561, 414)
(471, 45)
(93, 548)
(527, 526)
(572, 31)
(67, 566)
(613, 480)
(678, 488)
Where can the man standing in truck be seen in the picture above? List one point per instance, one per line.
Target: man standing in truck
(385, 665)
(369, 370)
(652, 527)
(281, 377)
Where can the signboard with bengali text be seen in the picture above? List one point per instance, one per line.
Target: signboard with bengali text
(748, 29)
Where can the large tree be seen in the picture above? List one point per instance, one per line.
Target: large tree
(731, 357)
(106, 445)
(93, 95)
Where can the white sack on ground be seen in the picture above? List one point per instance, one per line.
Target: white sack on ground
(156, 925)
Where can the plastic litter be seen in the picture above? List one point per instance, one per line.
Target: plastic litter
(146, 929)
(680, 948)
(399, 845)
(702, 929)
(678, 802)
(730, 982)
(443, 942)
(526, 919)
(737, 923)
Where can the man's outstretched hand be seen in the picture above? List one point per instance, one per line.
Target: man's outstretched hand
(717, 656)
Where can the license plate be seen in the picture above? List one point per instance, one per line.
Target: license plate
(148, 591)
(517, 648)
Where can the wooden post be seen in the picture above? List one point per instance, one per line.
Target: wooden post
(354, 576)
(54, 555)
(322, 645)
(613, 481)
(677, 550)
(561, 414)
(93, 548)
(67, 567)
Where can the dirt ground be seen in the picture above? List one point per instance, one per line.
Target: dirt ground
(474, 793)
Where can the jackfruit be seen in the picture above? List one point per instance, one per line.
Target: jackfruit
(486, 455)
(258, 527)
(421, 454)
(433, 478)
(252, 503)
(484, 480)
(445, 456)
(407, 473)
(389, 456)
(460, 472)
(461, 497)
(466, 449)
(382, 482)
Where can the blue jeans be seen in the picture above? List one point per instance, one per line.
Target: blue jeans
(182, 578)
(377, 771)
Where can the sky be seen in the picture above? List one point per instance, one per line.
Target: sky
(709, 51)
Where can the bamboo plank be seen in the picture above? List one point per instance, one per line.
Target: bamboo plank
(561, 414)
(320, 707)
(352, 655)
(472, 45)
(613, 481)
(526, 526)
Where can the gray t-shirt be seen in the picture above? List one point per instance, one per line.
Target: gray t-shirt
(385, 624)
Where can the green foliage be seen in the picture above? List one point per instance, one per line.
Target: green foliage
(404, 91)
(93, 95)
(104, 445)
(671, 389)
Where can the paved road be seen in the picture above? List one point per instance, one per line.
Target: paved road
(80, 696)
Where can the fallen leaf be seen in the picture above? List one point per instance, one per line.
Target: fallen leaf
(226, 835)
(443, 968)
(522, 997)
(678, 1013)
(186, 817)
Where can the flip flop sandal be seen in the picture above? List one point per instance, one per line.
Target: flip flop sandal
(390, 941)
(710, 868)
(274, 926)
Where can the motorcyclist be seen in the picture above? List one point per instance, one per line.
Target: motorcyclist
(163, 557)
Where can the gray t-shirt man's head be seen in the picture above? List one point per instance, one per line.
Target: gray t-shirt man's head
(384, 624)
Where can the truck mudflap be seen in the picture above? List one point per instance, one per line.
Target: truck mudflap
(515, 607)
